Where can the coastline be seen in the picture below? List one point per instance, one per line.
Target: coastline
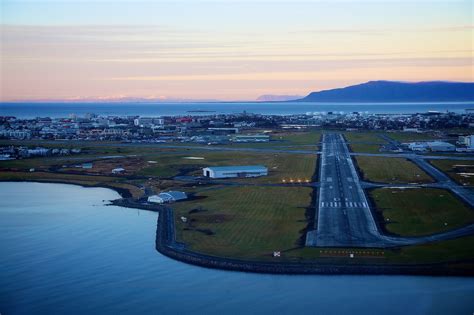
(123, 192)
(167, 245)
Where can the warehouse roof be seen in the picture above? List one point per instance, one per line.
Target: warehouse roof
(241, 168)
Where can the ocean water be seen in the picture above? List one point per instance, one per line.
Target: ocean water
(63, 251)
(32, 110)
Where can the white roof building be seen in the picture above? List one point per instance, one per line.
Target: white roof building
(118, 170)
(168, 196)
(418, 146)
(441, 146)
(431, 145)
(235, 171)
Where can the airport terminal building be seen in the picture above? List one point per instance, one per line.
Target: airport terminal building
(235, 171)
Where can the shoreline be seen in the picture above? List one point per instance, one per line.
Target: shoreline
(123, 192)
(167, 245)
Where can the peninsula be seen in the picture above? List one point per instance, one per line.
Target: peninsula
(333, 193)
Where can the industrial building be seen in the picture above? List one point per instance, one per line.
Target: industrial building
(468, 141)
(251, 138)
(235, 171)
(441, 146)
(435, 146)
(168, 196)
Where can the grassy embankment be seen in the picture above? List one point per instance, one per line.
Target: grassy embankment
(391, 170)
(244, 222)
(420, 211)
(460, 171)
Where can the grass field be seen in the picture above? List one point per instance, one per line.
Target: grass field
(455, 250)
(282, 139)
(304, 140)
(298, 138)
(460, 171)
(37, 163)
(364, 148)
(359, 136)
(391, 170)
(280, 165)
(244, 222)
(411, 136)
(420, 211)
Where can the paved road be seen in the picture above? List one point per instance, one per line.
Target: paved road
(445, 181)
(417, 156)
(344, 218)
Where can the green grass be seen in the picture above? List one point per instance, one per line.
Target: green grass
(391, 170)
(455, 250)
(365, 148)
(280, 165)
(360, 136)
(420, 211)
(39, 162)
(304, 140)
(247, 222)
(411, 136)
(458, 170)
(299, 138)
(458, 252)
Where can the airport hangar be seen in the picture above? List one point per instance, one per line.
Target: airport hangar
(235, 171)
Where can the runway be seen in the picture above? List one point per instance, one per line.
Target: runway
(344, 217)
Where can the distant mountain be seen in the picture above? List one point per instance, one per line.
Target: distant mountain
(124, 99)
(277, 98)
(391, 91)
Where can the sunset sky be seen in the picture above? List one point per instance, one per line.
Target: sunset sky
(239, 50)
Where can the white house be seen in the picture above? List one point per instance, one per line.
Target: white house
(235, 171)
(167, 196)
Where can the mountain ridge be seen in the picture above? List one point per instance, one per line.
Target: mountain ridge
(396, 91)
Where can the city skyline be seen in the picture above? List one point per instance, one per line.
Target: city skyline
(226, 50)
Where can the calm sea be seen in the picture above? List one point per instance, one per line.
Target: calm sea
(63, 251)
(31, 110)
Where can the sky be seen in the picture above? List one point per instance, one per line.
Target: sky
(225, 50)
